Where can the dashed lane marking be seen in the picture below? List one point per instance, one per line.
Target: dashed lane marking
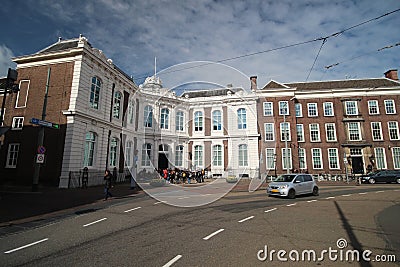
(329, 197)
(289, 205)
(270, 210)
(379, 191)
(133, 209)
(246, 219)
(213, 234)
(29, 245)
(312, 200)
(346, 195)
(177, 257)
(363, 193)
(103, 219)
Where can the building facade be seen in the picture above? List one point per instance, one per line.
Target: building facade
(107, 121)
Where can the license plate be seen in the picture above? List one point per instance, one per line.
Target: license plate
(274, 190)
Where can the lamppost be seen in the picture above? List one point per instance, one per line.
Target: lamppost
(275, 164)
(285, 135)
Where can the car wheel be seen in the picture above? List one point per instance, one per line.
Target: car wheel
(315, 191)
(291, 194)
(398, 180)
(371, 181)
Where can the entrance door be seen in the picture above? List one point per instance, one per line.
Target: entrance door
(357, 165)
(162, 161)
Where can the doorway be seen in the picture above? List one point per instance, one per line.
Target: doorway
(163, 156)
(357, 165)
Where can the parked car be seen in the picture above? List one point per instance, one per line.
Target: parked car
(387, 176)
(291, 185)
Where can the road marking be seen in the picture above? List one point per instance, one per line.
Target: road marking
(95, 222)
(246, 219)
(133, 209)
(329, 197)
(213, 234)
(182, 197)
(177, 257)
(270, 210)
(397, 190)
(379, 191)
(31, 244)
(346, 195)
(289, 205)
(364, 193)
(159, 202)
(312, 200)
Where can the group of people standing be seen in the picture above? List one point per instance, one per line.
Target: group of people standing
(178, 176)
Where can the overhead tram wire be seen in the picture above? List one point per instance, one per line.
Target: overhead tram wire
(315, 60)
(282, 47)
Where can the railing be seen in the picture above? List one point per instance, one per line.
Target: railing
(95, 178)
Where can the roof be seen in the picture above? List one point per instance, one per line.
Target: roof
(211, 92)
(60, 45)
(343, 84)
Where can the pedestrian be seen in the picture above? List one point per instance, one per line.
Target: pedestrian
(107, 184)
(85, 177)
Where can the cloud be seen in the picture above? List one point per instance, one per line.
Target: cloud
(5, 60)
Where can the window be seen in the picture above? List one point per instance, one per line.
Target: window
(270, 158)
(17, 123)
(396, 157)
(241, 113)
(354, 131)
(373, 108)
(286, 158)
(380, 158)
(328, 109)
(268, 109)
(198, 156)
(269, 131)
(90, 146)
(164, 118)
(312, 110)
(148, 116)
(128, 154)
(114, 151)
(299, 111)
(333, 157)
(300, 132)
(217, 120)
(179, 156)
(393, 127)
(146, 154)
(198, 121)
(95, 93)
(316, 158)
(302, 158)
(330, 132)
(131, 111)
(22, 96)
(179, 119)
(243, 155)
(285, 131)
(12, 156)
(389, 107)
(283, 108)
(314, 132)
(217, 155)
(117, 105)
(376, 130)
(351, 108)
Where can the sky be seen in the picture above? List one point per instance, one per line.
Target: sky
(205, 41)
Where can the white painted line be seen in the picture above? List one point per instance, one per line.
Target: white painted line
(31, 244)
(95, 222)
(329, 197)
(397, 190)
(213, 234)
(364, 193)
(133, 209)
(246, 219)
(289, 205)
(379, 191)
(270, 210)
(346, 195)
(177, 257)
(312, 200)
(182, 197)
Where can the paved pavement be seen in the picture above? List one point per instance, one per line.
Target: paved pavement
(19, 205)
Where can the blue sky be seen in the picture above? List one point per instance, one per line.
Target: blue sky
(132, 33)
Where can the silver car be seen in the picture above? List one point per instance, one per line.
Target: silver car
(291, 185)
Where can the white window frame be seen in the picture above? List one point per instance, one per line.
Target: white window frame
(380, 160)
(17, 123)
(387, 107)
(198, 122)
(12, 155)
(114, 155)
(179, 155)
(334, 157)
(242, 118)
(302, 155)
(319, 157)
(396, 157)
(217, 157)
(179, 121)
(298, 110)
(301, 133)
(371, 107)
(148, 116)
(376, 130)
(349, 108)
(117, 104)
(270, 159)
(146, 154)
(198, 156)
(334, 132)
(131, 111)
(128, 153)
(289, 135)
(243, 155)
(216, 120)
(89, 156)
(290, 159)
(395, 130)
(268, 111)
(95, 90)
(312, 107)
(326, 108)
(164, 118)
(311, 132)
(283, 106)
(272, 125)
(358, 131)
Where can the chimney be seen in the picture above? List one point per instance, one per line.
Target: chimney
(392, 74)
(253, 84)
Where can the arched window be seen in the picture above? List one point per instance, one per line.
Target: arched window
(217, 155)
(179, 119)
(217, 120)
(95, 93)
(241, 114)
(146, 154)
(198, 121)
(90, 146)
(243, 155)
(114, 151)
(131, 111)
(148, 116)
(164, 118)
(198, 156)
(128, 154)
(117, 105)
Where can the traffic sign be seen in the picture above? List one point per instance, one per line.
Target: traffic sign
(41, 150)
(45, 123)
(40, 158)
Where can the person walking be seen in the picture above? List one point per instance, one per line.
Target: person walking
(107, 184)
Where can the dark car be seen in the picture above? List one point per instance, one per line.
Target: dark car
(387, 176)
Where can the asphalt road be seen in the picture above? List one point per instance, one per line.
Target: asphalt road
(241, 229)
